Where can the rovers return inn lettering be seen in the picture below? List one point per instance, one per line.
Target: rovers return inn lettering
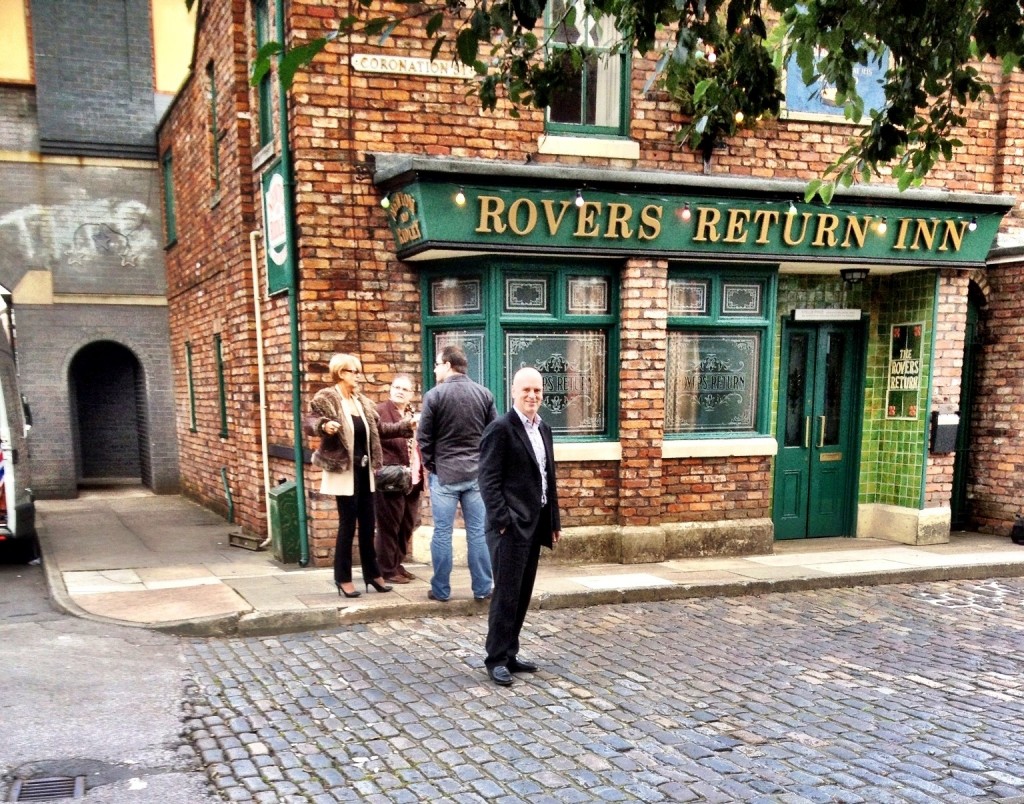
(424, 213)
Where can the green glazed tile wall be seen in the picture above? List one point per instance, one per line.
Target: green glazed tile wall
(892, 451)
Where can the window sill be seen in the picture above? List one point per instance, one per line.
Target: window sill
(588, 451)
(608, 147)
(719, 447)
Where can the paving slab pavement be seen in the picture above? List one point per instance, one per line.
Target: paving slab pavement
(163, 562)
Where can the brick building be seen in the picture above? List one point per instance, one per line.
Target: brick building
(724, 365)
(81, 247)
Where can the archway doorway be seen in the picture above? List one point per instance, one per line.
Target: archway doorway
(109, 416)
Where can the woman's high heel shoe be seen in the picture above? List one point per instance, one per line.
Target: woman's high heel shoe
(353, 593)
(380, 587)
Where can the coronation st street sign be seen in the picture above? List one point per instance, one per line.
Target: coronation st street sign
(427, 215)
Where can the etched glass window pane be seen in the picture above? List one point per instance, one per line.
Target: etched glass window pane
(588, 295)
(688, 297)
(712, 382)
(471, 341)
(455, 296)
(526, 294)
(742, 298)
(573, 365)
(796, 391)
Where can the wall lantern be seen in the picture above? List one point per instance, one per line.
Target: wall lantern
(853, 276)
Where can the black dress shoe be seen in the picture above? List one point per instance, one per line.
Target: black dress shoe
(521, 666)
(500, 675)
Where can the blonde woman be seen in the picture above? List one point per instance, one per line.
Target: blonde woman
(349, 452)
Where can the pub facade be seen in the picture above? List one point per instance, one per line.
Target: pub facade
(725, 365)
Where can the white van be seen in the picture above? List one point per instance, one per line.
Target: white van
(17, 506)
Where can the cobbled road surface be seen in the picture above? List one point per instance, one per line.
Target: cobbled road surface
(908, 693)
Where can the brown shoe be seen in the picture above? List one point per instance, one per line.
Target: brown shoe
(396, 579)
(406, 574)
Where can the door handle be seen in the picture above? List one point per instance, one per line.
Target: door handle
(821, 432)
(807, 432)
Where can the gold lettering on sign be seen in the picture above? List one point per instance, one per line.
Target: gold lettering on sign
(733, 226)
(531, 216)
(765, 219)
(650, 222)
(707, 225)
(586, 223)
(736, 229)
(825, 233)
(491, 208)
(787, 232)
(618, 221)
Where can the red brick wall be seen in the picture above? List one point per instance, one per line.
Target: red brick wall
(947, 366)
(354, 296)
(996, 487)
(710, 489)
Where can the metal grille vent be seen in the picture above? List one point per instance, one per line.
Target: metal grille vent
(48, 789)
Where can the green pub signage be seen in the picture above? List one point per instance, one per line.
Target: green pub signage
(425, 215)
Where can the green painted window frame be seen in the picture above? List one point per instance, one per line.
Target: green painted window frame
(492, 321)
(170, 220)
(214, 129)
(715, 321)
(192, 423)
(218, 347)
(265, 115)
(621, 129)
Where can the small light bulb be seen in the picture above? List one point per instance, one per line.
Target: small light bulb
(385, 202)
(973, 225)
(882, 226)
(579, 198)
(460, 197)
(739, 117)
(712, 58)
(685, 214)
(792, 208)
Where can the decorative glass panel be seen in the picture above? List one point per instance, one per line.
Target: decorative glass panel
(455, 296)
(688, 296)
(526, 294)
(574, 367)
(712, 382)
(588, 295)
(834, 362)
(742, 298)
(472, 343)
(796, 391)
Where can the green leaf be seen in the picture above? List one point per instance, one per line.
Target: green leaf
(826, 192)
(297, 58)
(434, 24)
(701, 89)
(467, 46)
(812, 188)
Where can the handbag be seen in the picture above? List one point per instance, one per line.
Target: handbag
(393, 479)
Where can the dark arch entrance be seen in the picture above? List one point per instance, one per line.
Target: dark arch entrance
(109, 416)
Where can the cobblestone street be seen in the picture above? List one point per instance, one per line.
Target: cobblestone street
(909, 693)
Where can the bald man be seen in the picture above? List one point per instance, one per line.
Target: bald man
(517, 482)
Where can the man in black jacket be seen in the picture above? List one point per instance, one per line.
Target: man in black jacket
(517, 481)
(454, 415)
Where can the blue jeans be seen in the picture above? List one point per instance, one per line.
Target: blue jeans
(443, 502)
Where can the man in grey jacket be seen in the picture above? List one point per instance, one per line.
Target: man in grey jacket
(454, 415)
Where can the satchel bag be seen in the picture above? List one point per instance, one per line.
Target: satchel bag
(394, 479)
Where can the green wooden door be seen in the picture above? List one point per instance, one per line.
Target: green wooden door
(818, 428)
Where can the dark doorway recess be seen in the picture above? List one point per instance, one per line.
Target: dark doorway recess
(109, 416)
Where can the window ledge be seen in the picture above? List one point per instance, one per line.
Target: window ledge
(588, 451)
(719, 447)
(608, 147)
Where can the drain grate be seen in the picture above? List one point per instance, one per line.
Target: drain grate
(48, 789)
